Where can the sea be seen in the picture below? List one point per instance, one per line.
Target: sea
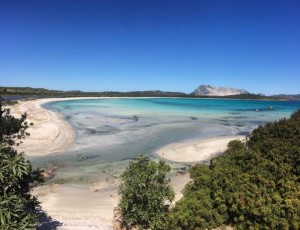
(111, 132)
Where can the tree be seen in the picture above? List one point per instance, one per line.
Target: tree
(145, 191)
(12, 129)
(17, 205)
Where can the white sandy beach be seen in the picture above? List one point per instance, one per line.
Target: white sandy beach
(50, 132)
(196, 150)
(81, 207)
(91, 206)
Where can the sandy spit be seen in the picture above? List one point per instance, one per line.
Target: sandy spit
(196, 150)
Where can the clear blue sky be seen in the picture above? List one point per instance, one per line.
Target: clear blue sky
(95, 45)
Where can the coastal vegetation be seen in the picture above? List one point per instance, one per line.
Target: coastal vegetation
(252, 185)
(145, 191)
(41, 92)
(18, 208)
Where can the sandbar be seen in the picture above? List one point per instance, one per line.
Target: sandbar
(196, 150)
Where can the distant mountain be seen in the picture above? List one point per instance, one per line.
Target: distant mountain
(207, 90)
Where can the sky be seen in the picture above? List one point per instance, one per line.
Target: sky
(127, 45)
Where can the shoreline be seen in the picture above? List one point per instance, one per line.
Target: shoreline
(50, 132)
(72, 206)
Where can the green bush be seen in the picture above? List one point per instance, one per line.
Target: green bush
(251, 186)
(145, 190)
(17, 205)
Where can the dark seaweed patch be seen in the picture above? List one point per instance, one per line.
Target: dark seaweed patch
(103, 130)
(225, 124)
(82, 157)
(136, 118)
(221, 120)
(149, 125)
(128, 159)
(127, 119)
(142, 126)
(240, 124)
(236, 117)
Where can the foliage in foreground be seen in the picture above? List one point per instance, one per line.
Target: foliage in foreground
(17, 205)
(145, 191)
(251, 186)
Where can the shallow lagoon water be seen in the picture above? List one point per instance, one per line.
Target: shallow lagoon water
(111, 132)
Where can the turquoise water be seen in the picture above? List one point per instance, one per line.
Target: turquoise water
(111, 132)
